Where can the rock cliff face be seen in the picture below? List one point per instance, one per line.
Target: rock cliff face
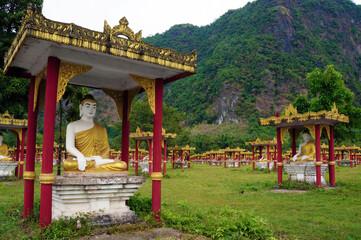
(254, 60)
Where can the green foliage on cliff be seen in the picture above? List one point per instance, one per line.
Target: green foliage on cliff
(260, 54)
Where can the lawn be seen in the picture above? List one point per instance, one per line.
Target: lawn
(316, 214)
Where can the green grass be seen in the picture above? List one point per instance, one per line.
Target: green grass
(201, 190)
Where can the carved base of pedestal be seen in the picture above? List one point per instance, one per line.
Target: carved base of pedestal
(102, 196)
(263, 165)
(178, 164)
(305, 172)
(144, 166)
(6, 168)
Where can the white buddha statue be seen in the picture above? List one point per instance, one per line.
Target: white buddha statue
(87, 142)
(306, 150)
(4, 151)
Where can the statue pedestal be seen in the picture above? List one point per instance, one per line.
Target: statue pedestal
(102, 195)
(178, 164)
(305, 172)
(144, 166)
(263, 165)
(6, 168)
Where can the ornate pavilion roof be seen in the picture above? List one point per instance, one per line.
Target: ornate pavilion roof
(258, 142)
(8, 121)
(113, 56)
(140, 135)
(293, 118)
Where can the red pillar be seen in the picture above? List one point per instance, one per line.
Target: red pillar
(136, 157)
(293, 142)
(173, 159)
(318, 154)
(253, 167)
(189, 159)
(17, 153)
(29, 175)
(268, 156)
(350, 153)
(165, 157)
(150, 145)
(157, 137)
(331, 154)
(21, 163)
(125, 130)
(181, 156)
(47, 178)
(225, 159)
(279, 156)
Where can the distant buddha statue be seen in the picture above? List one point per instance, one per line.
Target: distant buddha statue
(306, 150)
(87, 142)
(4, 151)
(264, 156)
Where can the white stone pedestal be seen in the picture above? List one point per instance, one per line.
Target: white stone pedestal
(305, 172)
(263, 165)
(102, 195)
(184, 163)
(144, 166)
(6, 168)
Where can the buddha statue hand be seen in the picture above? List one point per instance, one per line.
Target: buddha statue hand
(304, 157)
(81, 162)
(100, 161)
(295, 157)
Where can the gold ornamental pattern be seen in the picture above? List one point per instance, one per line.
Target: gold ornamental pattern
(35, 25)
(149, 86)
(66, 72)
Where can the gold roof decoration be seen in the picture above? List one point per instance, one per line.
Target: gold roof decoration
(292, 117)
(35, 25)
(186, 148)
(140, 135)
(258, 142)
(8, 121)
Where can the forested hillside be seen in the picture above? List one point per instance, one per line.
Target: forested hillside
(253, 61)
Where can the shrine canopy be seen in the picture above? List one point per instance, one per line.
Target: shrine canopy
(115, 59)
(7, 121)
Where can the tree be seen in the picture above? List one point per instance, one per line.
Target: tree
(142, 117)
(11, 14)
(325, 89)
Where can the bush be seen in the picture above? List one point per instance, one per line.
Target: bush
(218, 223)
(140, 205)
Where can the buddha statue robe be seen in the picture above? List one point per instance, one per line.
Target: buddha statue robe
(309, 150)
(93, 142)
(4, 153)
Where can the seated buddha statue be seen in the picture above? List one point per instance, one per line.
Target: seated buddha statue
(264, 156)
(87, 142)
(4, 151)
(306, 150)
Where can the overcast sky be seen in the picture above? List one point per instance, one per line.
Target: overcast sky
(150, 16)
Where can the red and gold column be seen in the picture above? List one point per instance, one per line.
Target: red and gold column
(136, 157)
(165, 157)
(157, 175)
(268, 156)
(125, 130)
(47, 177)
(150, 162)
(21, 163)
(29, 174)
(318, 162)
(331, 161)
(253, 166)
(279, 156)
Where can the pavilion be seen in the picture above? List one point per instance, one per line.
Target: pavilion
(315, 122)
(18, 128)
(53, 54)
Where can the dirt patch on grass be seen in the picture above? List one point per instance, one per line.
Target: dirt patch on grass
(155, 233)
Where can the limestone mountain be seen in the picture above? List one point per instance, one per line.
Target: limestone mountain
(253, 61)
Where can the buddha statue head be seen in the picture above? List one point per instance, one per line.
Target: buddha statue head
(88, 107)
(306, 136)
